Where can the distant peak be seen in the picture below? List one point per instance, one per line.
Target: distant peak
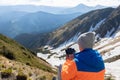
(81, 5)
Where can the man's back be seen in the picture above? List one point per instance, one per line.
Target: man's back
(90, 65)
(87, 64)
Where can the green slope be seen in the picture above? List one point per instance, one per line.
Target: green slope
(14, 51)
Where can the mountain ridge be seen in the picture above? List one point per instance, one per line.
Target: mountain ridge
(13, 19)
(32, 22)
(84, 22)
(49, 9)
(97, 20)
(74, 27)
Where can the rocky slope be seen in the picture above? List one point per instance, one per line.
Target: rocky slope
(80, 25)
(105, 22)
(111, 24)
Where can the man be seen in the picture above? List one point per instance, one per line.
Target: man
(87, 64)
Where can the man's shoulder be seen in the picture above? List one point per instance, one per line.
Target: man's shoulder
(86, 55)
(86, 52)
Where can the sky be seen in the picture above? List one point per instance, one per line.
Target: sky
(61, 3)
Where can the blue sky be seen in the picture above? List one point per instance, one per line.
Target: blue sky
(61, 3)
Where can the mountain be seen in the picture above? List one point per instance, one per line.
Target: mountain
(31, 9)
(12, 15)
(105, 22)
(81, 24)
(32, 41)
(19, 19)
(81, 8)
(7, 18)
(97, 20)
(48, 9)
(84, 23)
(15, 23)
(111, 24)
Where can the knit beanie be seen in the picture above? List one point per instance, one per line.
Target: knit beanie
(86, 40)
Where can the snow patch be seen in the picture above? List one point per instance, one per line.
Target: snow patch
(113, 68)
(96, 26)
(109, 32)
(112, 53)
(118, 33)
(54, 60)
(103, 42)
(70, 42)
(44, 56)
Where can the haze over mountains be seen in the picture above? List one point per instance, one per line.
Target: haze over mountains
(15, 20)
(81, 8)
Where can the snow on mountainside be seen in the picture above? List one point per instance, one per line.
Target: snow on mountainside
(110, 50)
(81, 24)
(105, 22)
(59, 53)
(97, 25)
(108, 47)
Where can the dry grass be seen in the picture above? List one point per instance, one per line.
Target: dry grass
(14, 51)
(17, 67)
(20, 59)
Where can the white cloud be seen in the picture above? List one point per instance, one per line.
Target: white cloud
(13, 2)
(105, 2)
(61, 2)
(35, 0)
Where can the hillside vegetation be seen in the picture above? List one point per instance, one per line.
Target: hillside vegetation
(15, 54)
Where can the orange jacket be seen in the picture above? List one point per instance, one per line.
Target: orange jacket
(87, 65)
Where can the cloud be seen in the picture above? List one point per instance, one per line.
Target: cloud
(35, 0)
(61, 2)
(13, 2)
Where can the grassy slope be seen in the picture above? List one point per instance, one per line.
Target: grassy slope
(21, 54)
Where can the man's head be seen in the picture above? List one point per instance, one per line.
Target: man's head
(86, 40)
(70, 53)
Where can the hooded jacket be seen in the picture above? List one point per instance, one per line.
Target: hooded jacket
(87, 65)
